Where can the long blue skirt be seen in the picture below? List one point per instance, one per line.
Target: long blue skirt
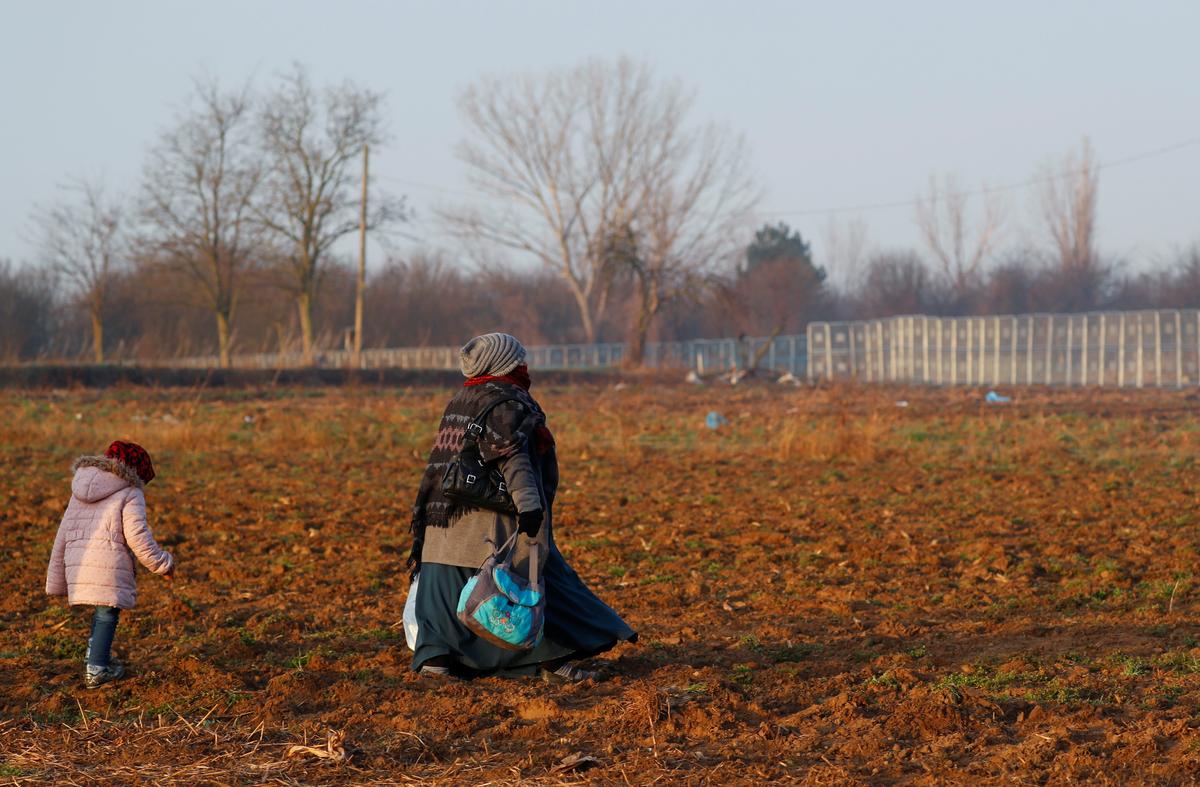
(578, 624)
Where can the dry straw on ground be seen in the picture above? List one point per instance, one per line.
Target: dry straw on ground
(829, 588)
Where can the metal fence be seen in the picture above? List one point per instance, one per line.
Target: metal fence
(1123, 349)
(706, 356)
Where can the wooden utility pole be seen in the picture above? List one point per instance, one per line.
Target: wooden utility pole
(362, 268)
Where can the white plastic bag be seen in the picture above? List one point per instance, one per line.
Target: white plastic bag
(410, 615)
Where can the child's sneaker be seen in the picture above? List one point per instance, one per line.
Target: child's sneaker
(97, 677)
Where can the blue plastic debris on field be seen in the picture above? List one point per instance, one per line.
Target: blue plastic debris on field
(995, 398)
(715, 420)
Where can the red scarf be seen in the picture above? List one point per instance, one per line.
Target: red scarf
(543, 438)
(518, 377)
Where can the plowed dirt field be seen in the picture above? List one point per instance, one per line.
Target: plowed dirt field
(830, 589)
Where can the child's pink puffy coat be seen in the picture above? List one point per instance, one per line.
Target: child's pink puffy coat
(102, 530)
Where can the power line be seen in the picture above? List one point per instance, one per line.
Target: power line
(873, 206)
(416, 184)
(1024, 184)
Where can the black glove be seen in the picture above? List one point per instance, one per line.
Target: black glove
(529, 522)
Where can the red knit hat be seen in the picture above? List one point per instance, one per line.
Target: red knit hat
(134, 457)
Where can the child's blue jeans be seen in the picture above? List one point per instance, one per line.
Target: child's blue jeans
(104, 626)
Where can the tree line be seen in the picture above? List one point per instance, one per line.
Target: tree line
(603, 211)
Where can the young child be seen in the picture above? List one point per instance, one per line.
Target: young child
(102, 531)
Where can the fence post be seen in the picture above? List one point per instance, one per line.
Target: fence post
(975, 348)
(808, 340)
(954, 351)
(879, 350)
(914, 351)
(1049, 349)
(897, 356)
(899, 360)
(885, 349)
(925, 373)
(868, 356)
(941, 360)
(828, 351)
(983, 359)
(1029, 350)
(995, 350)
(1178, 350)
(1070, 350)
(1083, 363)
(1158, 348)
(970, 355)
(981, 363)
(1012, 350)
(1140, 351)
(1121, 351)
(891, 347)
(853, 352)
(1102, 365)
(910, 349)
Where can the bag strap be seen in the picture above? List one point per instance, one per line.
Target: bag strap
(535, 581)
(510, 546)
(475, 428)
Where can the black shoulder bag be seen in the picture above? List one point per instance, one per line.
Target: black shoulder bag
(471, 482)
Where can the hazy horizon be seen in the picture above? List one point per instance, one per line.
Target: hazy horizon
(841, 106)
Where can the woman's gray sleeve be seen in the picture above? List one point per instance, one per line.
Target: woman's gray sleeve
(506, 442)
(522, 481)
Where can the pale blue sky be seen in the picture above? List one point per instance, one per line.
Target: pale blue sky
(841, 103)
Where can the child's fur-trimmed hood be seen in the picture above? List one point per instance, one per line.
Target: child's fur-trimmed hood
(108, 465)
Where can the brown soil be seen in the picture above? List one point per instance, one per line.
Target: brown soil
(830, 589)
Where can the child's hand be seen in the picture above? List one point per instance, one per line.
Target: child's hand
(170, 575)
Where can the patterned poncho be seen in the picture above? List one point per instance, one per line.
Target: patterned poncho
(514, 420)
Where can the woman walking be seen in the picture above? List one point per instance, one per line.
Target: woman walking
(450, 542)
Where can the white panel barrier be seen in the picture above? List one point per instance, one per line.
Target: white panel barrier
(1123, 349)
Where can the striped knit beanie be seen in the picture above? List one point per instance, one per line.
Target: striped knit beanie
(493, 354)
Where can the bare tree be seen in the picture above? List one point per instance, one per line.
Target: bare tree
(959, 245)
(695, 199)
(576, 159)
(846, 243)
(1068, 205)
(895, 282)
(311, 143)
(27, 310)
(529, 150)
(80, 239)
(200, 182)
